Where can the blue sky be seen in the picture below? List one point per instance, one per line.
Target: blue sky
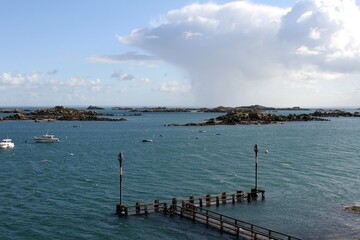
(179, 53)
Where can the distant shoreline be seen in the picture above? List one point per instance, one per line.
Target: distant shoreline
(246, 115)
(220, 109)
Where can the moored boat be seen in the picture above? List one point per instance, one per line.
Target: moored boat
(46, 139)
(7, 143)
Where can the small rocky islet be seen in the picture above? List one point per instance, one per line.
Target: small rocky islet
(353, 209)
(60, 113)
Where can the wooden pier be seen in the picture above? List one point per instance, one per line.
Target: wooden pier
(195, 209)
(228, 224)
(198, 201)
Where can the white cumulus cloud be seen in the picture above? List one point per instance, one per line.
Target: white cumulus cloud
(231, 50)
(11, 79)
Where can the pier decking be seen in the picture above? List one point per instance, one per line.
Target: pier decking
(195, 209)
(229, 225)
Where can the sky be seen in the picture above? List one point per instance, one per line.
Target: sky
(180, 53)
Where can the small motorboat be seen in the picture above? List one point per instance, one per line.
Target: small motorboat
(147, 140)
(46, 139)
(7, 143)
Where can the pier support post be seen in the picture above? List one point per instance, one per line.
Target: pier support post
(223, 198)
(200, 202)
(174, 205)
(156, 205)
(137, 208)
(254, 193)
(183, 207)
(233, 198)
(191, 200)
(239, 195)
(121, 210)
(217, 201)
(208, 200)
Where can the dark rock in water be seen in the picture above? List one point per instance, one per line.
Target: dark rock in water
(252, 118)
(353, 209)
(249, 108)
(11, 111)
(60, 113)
(334, 113)
(160, 109)
(17, 116)
(133, 114)
(95, 108)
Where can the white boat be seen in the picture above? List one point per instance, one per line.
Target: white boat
(6, 143)
(46, 139)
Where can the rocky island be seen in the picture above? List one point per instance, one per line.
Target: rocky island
(155, 109)
(250, 108)
(91, 107)
(353, 209)
(11, 111)
(216, 109)
(334, 113)
(252, 117)
(60, 113)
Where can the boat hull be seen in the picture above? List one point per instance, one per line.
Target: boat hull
(6, 144)
(46, 139)
(39, 140)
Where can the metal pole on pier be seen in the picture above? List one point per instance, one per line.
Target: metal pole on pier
(256, 150)
(121, 159)
(121, 209)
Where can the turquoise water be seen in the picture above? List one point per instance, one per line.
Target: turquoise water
(69, 190)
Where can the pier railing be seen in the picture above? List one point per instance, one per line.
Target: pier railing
(228, 224)
(200, 201)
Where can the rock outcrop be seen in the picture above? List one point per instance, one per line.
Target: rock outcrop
(353, 209)
(253, 118)
(11, 111)
(60, 113)
(95, 108)
(334, 113)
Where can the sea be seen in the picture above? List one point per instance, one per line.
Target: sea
(69, 190)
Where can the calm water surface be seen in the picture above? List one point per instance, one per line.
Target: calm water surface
(69, 190)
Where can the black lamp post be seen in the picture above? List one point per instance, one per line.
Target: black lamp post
(121, 159)
(256, 150)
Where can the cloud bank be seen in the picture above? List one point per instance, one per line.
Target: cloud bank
(246, 53)
(35, 87)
